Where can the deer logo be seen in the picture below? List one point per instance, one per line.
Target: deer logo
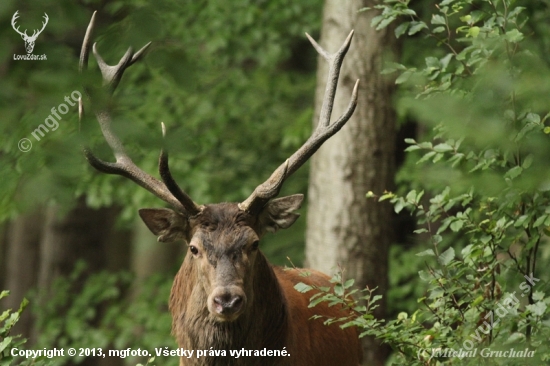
(29, 40)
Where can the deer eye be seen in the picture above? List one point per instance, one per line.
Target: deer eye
(255, 245)
(193, 249)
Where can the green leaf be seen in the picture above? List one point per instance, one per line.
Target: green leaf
(401, 29)
(384, 23)
(515, 338)
(456, 225)
(473, 32)
(514, 36)
(527, 161)
(438, 19)
(5, 315)
(426, 157)
(540, 220)
(425, 276)
(408, 12)
(416, 27)
(521, 221)
(432, 62)
(427, 252)
(436, 293)
(443, 147)
(514, 172)
(447, 256)
(538, 308)
(420, 231)
(405, 76)
(4, 344)
(538, 295)
(478, 300)
(386, 196)
(338, 290)
(501, 223)
(532, 118)
(390, 67)
(399, 205)
(412, 148)
(302, 287)
(411, 196)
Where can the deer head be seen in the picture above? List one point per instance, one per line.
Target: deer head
(29, 40)
(222, 238)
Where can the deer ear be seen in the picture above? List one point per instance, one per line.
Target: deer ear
(167, 224)
(279, 213)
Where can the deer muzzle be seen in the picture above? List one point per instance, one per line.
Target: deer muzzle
(227, 303)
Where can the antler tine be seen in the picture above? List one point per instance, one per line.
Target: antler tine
(13, 21)
(164, 170)
(335, 61)
(111, 74)
(137, 56)
(44, 23)
(85, 50)
(123, 166)
(270, 188)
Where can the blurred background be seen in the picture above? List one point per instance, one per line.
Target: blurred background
(239, 87)
(233, 82)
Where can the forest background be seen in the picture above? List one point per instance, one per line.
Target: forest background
(235, 83)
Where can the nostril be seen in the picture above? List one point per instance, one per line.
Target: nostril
(227, 303)
(236, 302)
(223, 299)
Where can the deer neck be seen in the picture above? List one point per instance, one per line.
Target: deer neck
(263, 324)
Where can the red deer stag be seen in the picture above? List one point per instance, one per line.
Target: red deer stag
(226, 296)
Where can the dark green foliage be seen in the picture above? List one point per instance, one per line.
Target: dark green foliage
(8, 341)
(234, 84)
(481, 199)
(107, 311)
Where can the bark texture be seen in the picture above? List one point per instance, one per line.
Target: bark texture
(80, 234)
(344, 228)
(22, 263)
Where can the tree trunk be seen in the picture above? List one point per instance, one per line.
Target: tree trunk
(80, 234)
(344, 228)
(21, 265)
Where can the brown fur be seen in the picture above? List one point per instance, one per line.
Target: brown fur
(276, 316)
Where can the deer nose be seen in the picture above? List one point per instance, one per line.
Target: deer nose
(228, 303)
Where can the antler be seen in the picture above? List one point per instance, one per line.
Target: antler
(167, 189)
(35, 34)
(24, 34)
(13, 19)
(271, 187)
